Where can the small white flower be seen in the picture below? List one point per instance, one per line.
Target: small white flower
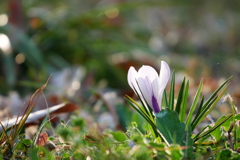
(149, 85)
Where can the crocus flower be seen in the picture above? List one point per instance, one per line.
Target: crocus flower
(149, 85)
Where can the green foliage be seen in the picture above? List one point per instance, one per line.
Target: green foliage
(183, 108)
(171, 94)
(79, 141)
(78, 122)
(194, 105)
(207, 107)
(180, 98)
(170, 127)
(119, 136)
(227, 154)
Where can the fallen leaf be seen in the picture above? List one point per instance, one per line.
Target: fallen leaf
(42, 139)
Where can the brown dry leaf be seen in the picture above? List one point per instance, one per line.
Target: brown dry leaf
(42, 139)
(65, 109)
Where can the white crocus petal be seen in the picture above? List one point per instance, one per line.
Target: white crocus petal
(132, 80)
(147, 71)
(145, 88)
(148, 85)
(132, 75)
(163, 80)
(164, 75)
(147, 81)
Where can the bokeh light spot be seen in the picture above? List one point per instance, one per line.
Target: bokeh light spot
(3, 19)
(5, 44)
(20, 58)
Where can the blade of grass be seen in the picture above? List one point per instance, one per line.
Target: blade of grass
(202, 110)
(139, 109)
(193, 107)
(5, 133)
(208, 108)
(165, 99)
(30, 106)
(203, 134)
(15, 129)
(200, 107)
(234, 131)
(180, 97)
(209, 102)
(171, 96)
(143, 114)
(183, 109)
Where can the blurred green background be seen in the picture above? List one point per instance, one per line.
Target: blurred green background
(98, 40)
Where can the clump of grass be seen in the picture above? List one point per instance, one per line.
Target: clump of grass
(11, 137)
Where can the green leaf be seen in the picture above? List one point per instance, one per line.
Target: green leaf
(119, 136)
(188, 152)
(216, 125)
(210, 104)
(207, 109)
(227, 123)
(200, 107)
(184, 103)
(217, 134)
(194, 105)
(200, 114)
(224, 154)
(171, 97)
(165, 101)
(27, 142)
(65, 156)
(139, 109)
(170, 126)
(145, 114)
(238, 133)
(180, 97)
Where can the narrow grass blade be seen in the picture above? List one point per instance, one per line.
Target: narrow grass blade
(180, 97)
(171, 96)
(183, 109)
(200, 107)
(209, 102)
(4, 133)
(216, 92)
(195, 101)
(137, 107)
(165, 101)
(202, 111)
(141, 111)
(206, 110)
(217, 124)
(30, 106)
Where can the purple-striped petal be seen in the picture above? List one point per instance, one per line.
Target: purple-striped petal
(149, 85)
(155, 105)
